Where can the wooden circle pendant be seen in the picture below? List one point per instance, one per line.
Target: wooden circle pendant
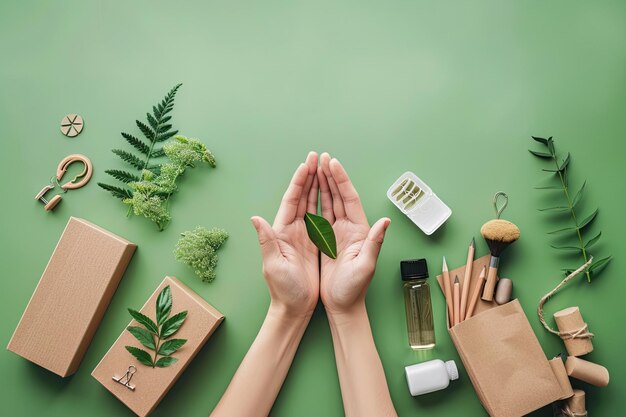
(71, 125)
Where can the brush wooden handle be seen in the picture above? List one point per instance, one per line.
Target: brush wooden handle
(490, 285)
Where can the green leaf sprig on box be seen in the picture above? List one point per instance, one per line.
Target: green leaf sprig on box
(579, 225)
(321, 233)
(151, 185)
(156, 335)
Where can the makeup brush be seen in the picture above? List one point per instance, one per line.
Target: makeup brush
(498, 234)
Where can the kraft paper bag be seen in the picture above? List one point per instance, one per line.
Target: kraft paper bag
(502, 356)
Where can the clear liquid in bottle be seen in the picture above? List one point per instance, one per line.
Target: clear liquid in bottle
(418, 305)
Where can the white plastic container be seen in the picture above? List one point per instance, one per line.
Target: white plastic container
(430, 376)
(418, 202)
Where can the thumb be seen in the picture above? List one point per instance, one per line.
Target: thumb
(374, 240)
(267, 237)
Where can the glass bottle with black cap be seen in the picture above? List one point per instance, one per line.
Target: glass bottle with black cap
(419, 311)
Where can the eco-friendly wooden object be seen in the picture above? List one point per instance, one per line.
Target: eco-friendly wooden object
(72, 125)
(72, 184)
(586, 371)
(71, 297)
(151, 384)
(573, 331)
(558, 367)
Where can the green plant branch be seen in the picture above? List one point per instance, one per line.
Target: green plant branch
(565, 186)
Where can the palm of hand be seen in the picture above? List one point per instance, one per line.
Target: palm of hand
(295, 271)
(344, 280)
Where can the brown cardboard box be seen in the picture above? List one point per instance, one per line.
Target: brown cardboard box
(502, 356)
(151, 384)
(71, 297)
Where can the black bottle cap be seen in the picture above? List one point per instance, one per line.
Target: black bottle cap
(413, 269)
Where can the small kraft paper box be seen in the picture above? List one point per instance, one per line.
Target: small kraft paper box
(502, 356)
(149, 385)
(72, 296)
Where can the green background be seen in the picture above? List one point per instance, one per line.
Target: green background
(450, 90)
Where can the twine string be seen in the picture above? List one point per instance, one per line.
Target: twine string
(583, 332)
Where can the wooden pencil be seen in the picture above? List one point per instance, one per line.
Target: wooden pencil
(447, 291)
(457, 300)
(467, 278)
(478, 286)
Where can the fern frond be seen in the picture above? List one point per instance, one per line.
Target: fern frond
(154, 124)
(117, 192)
(147, 132)
(162, 137)
(158, 152)
(129, 157)
(137, 143)
(123, 176)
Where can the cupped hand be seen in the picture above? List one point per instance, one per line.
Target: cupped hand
(290, 259)
(344, 281)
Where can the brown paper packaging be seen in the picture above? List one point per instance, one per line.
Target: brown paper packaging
(576, 403)
(569, 320)
(586, 371)
(558, 367)
(503, 358)
(72, 295)
(151, 384)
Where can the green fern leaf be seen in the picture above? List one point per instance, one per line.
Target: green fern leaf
(147, 132)
(129, 157)
(117, 192)
(137, 143)
(588, 219)
(156, 153)
(162, 137)
(123, 176)
(593, 241)
(579, 195)
(152, 121)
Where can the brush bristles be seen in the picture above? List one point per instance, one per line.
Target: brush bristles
(499, 234)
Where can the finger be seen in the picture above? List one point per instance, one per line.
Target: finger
(338, 208)
(326, 198)
(267, 237)
(351, 201)
(374, 240)
(289, 204)
(313, 193)
(311, 164)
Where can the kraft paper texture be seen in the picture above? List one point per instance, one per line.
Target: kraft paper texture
(151, 384)
(503, 358)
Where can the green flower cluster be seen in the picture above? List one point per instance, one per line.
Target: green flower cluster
(198, 249)
(150, 196)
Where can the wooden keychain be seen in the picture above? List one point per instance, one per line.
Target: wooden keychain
(70, 185)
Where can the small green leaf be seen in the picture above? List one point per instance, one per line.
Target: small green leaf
(171, 346)
(549, 187)
(141, 355)
(566, 229)
(144, 320)
(565, 163)
(559, 208)
(550, 170)
(123, 176)
(321, 234)
(540, 140)
(540, 154)
(574, 248)
(551, 146)
(163, 305)
(593, 241)
(144, 336)
(588, 219)
(579, 194)
(165, 361)
(172, 325)
(118, 192)
(599, 264)
(129, 158)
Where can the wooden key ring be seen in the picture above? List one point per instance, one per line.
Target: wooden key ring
(70, 185)
(86, 174)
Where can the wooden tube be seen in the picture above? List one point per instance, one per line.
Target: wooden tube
(570, 320)
(586, 371)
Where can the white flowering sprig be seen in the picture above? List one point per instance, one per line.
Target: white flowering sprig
(151, 195)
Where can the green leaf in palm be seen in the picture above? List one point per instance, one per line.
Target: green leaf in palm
(321, 233)
(156, 335)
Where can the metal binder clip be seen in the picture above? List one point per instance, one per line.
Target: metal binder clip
(125, 380)
(70, 185)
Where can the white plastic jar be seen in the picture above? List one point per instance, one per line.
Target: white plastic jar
(430, 376)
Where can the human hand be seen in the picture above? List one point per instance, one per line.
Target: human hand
(290, 259)
(344, 281)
